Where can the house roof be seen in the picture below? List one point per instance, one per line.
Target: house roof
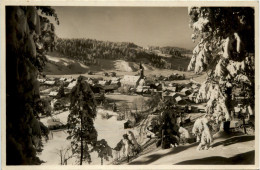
(53, 93)
(49, 82)
(171, 89)
(194, 86)
(185, 89)
(139, 90)
(178, 98)
(114, 82)
(69, 80)
(41, 80)
(172, 94)
(114, 78)
(62, 79)
(102, 82)
(72, 84)
(130, 79)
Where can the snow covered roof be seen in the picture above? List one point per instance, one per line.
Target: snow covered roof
(131, 80)
(173, 94)
(72, 84)
(102, 82)
(51, 78)
(194, 86)
(178, 98)
(114, 78)
(62, 79)
(41, 80)
(145, 90)
(114, 82)
(69, 80)
(139, 90)
(171, 88)
(142, 82)
(53, 93)
(49, 82)
(185, 89)
(237, 109)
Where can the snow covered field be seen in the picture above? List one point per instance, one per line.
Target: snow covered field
(111, 130)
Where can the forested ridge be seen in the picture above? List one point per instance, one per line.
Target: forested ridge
(89, 50)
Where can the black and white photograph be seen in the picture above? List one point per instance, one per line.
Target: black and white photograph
(130, 85)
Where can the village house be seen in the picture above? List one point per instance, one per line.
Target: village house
(169, 95)
(129, 80)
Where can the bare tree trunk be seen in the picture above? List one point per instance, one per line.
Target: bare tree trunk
(244, 125)
(61, 157)
(162, 137)
(81, 141)
(101, 161)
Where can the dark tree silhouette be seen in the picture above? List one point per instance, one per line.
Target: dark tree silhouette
(23, 130)
(81, 130)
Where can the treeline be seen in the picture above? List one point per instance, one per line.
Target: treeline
(87, 50)
(174, 51)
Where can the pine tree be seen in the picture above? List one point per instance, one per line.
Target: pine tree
(103, 149)
(81, 130)
(61, 92)
(169, 128)
(226, 49)
(23, 130)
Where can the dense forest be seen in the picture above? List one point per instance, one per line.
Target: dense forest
(89, 51)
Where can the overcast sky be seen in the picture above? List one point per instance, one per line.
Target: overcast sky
(158, 26)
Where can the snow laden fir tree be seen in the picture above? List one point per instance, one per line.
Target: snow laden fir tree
(225, 49)
(81, 130)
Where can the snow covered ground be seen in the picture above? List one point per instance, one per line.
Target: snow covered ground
(226, 151)
(63, 60)
(111, 130)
